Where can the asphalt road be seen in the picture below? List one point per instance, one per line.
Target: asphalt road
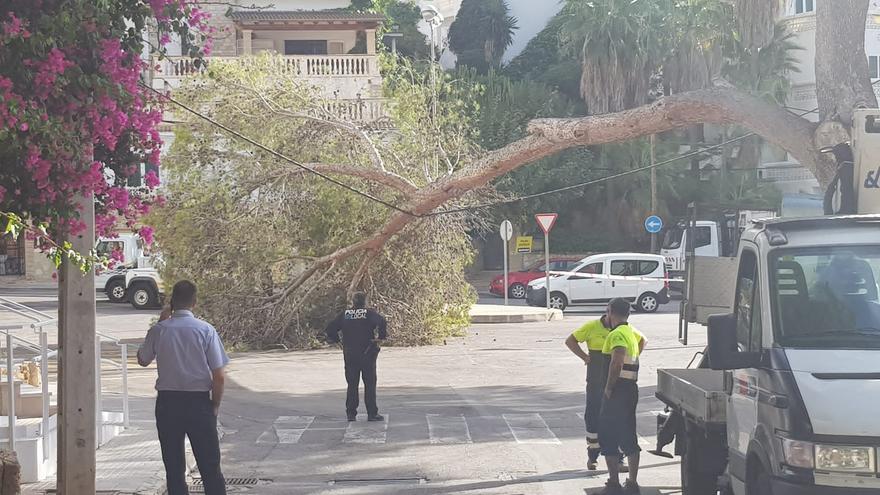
(496, 411)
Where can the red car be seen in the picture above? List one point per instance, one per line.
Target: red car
(518, 281)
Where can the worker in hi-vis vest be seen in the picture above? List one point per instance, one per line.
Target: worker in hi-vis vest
(617, 421)
(593, 334)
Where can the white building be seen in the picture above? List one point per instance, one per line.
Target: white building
(318, 43)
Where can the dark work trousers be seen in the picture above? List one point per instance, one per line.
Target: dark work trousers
(357, 366)
(597, 374)
(617, 432)
(189, 414)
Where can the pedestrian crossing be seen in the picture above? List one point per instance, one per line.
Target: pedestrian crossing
(435, 429)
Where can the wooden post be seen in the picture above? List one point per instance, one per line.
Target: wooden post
(76, 365)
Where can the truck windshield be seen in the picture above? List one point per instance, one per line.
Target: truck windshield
(672, 238)
(827, 297)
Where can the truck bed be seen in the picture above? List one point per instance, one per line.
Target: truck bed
(697, 393)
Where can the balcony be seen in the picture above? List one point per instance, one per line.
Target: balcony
(173, 69)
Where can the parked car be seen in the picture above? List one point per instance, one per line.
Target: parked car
(518, 281)
(640, 278)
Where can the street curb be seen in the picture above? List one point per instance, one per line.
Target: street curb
(544, 316)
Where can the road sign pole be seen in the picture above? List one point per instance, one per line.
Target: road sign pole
(506, 288)
(653, 192)
(547, 266)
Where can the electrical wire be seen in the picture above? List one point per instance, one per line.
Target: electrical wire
(480, 206)
(277, 154)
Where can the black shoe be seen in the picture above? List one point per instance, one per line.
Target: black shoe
(352, 417)
(376, 417)
(591, 465)
(612, 489)
(631, 488)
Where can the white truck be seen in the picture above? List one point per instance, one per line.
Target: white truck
(144, 285)
(112, 281)
(785, 399)
(711, 238)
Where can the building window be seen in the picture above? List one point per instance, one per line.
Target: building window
(803, 6)
(874, 66)
(305, 47)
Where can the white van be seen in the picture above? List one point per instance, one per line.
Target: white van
(640, 278)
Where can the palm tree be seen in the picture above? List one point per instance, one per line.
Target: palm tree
(764, 71)
(620, 44)
(481, 33)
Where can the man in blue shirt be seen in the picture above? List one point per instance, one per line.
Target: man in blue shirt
(360, 349)
(190, 359)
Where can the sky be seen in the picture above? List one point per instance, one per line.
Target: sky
(532, 17)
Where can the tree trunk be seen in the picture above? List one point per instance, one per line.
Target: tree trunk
(842, 81)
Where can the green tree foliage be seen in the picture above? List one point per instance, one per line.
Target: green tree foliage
(401, 16)
(482, 31)
(246, 225)
(542, 61)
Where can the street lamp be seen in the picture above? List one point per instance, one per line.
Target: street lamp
(434, 19)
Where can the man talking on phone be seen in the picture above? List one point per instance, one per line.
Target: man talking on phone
(191, 361)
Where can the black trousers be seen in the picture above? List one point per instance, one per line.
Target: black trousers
(358, 366)
(597, 373)
(617, 424)
(189, 414)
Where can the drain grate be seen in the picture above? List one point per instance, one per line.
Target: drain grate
(234, 484)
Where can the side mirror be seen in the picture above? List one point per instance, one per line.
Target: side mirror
(724, 353)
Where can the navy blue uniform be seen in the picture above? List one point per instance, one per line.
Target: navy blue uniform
(359, 329)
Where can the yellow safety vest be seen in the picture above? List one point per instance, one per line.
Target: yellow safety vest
(593, 333)
(629, 338)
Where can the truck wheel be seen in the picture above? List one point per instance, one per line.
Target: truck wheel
(648, 303)
(558, 301)
(695, 480)
(143, 295)
(115, 290)
(759, 482)
(517, 291)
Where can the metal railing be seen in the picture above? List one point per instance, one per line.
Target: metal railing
(42, 353)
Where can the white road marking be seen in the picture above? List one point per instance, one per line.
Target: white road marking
(448, 429)
(530, 429)
(286, 430)
(366, 431)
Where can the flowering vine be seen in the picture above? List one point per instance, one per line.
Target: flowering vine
(74, 117)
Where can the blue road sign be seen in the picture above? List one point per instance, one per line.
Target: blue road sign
(653, 224)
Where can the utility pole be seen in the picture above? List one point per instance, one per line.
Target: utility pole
(76, 364)
(653, 190)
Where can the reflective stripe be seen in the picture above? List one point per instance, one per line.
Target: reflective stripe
(592, 445)
(592, 436)
(629, 375)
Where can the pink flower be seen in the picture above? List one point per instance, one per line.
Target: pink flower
(146, 234)
(151, 179)
(117, 198)
(24, 127)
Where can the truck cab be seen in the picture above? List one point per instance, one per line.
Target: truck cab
(125, 250)
(802, 377)
(707, 242)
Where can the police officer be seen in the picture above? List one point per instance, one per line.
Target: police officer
(593, 333)
(617, 431)
(359, 326)
(190, 360)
